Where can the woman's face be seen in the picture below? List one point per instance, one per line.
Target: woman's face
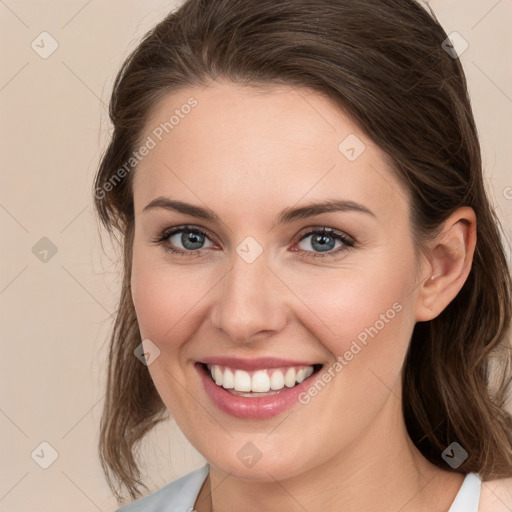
(264, 290)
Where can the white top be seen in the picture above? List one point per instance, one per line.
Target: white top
(181, 495)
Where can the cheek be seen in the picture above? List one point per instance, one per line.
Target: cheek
(347, 305)
(164, 300)
(164, 297)
(365, 320)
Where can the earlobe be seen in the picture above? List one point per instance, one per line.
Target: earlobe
(450, 260)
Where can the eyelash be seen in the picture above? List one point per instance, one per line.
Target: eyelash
(163, 240)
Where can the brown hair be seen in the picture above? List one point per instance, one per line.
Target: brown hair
(385, 65)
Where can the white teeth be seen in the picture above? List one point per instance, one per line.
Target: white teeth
(289, 378)
(228, 381)
(304, 373)
(277, 380)
(261, 381)
(217, 375)
(242, 381)
(300, 375)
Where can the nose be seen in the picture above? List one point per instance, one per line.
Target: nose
(250, 302)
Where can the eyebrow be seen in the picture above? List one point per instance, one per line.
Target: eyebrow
(288, 215)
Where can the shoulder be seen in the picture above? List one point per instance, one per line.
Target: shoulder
(496, 496)
(180, 495)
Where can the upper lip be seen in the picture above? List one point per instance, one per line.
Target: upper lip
(258, 363)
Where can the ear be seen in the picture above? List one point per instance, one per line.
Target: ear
(449, 260)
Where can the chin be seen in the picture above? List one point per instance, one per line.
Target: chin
(254, 458)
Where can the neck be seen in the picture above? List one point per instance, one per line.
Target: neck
(382, 470)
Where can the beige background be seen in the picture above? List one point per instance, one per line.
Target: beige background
(56, 314)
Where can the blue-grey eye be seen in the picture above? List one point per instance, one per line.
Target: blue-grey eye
(322, 241)
(190, 239)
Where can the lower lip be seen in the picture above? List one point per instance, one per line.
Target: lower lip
(251, 408)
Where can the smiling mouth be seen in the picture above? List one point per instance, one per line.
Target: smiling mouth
(258, 383)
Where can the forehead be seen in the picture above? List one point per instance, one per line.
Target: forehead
(267, 145)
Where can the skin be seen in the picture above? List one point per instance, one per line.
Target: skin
(248, 154)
